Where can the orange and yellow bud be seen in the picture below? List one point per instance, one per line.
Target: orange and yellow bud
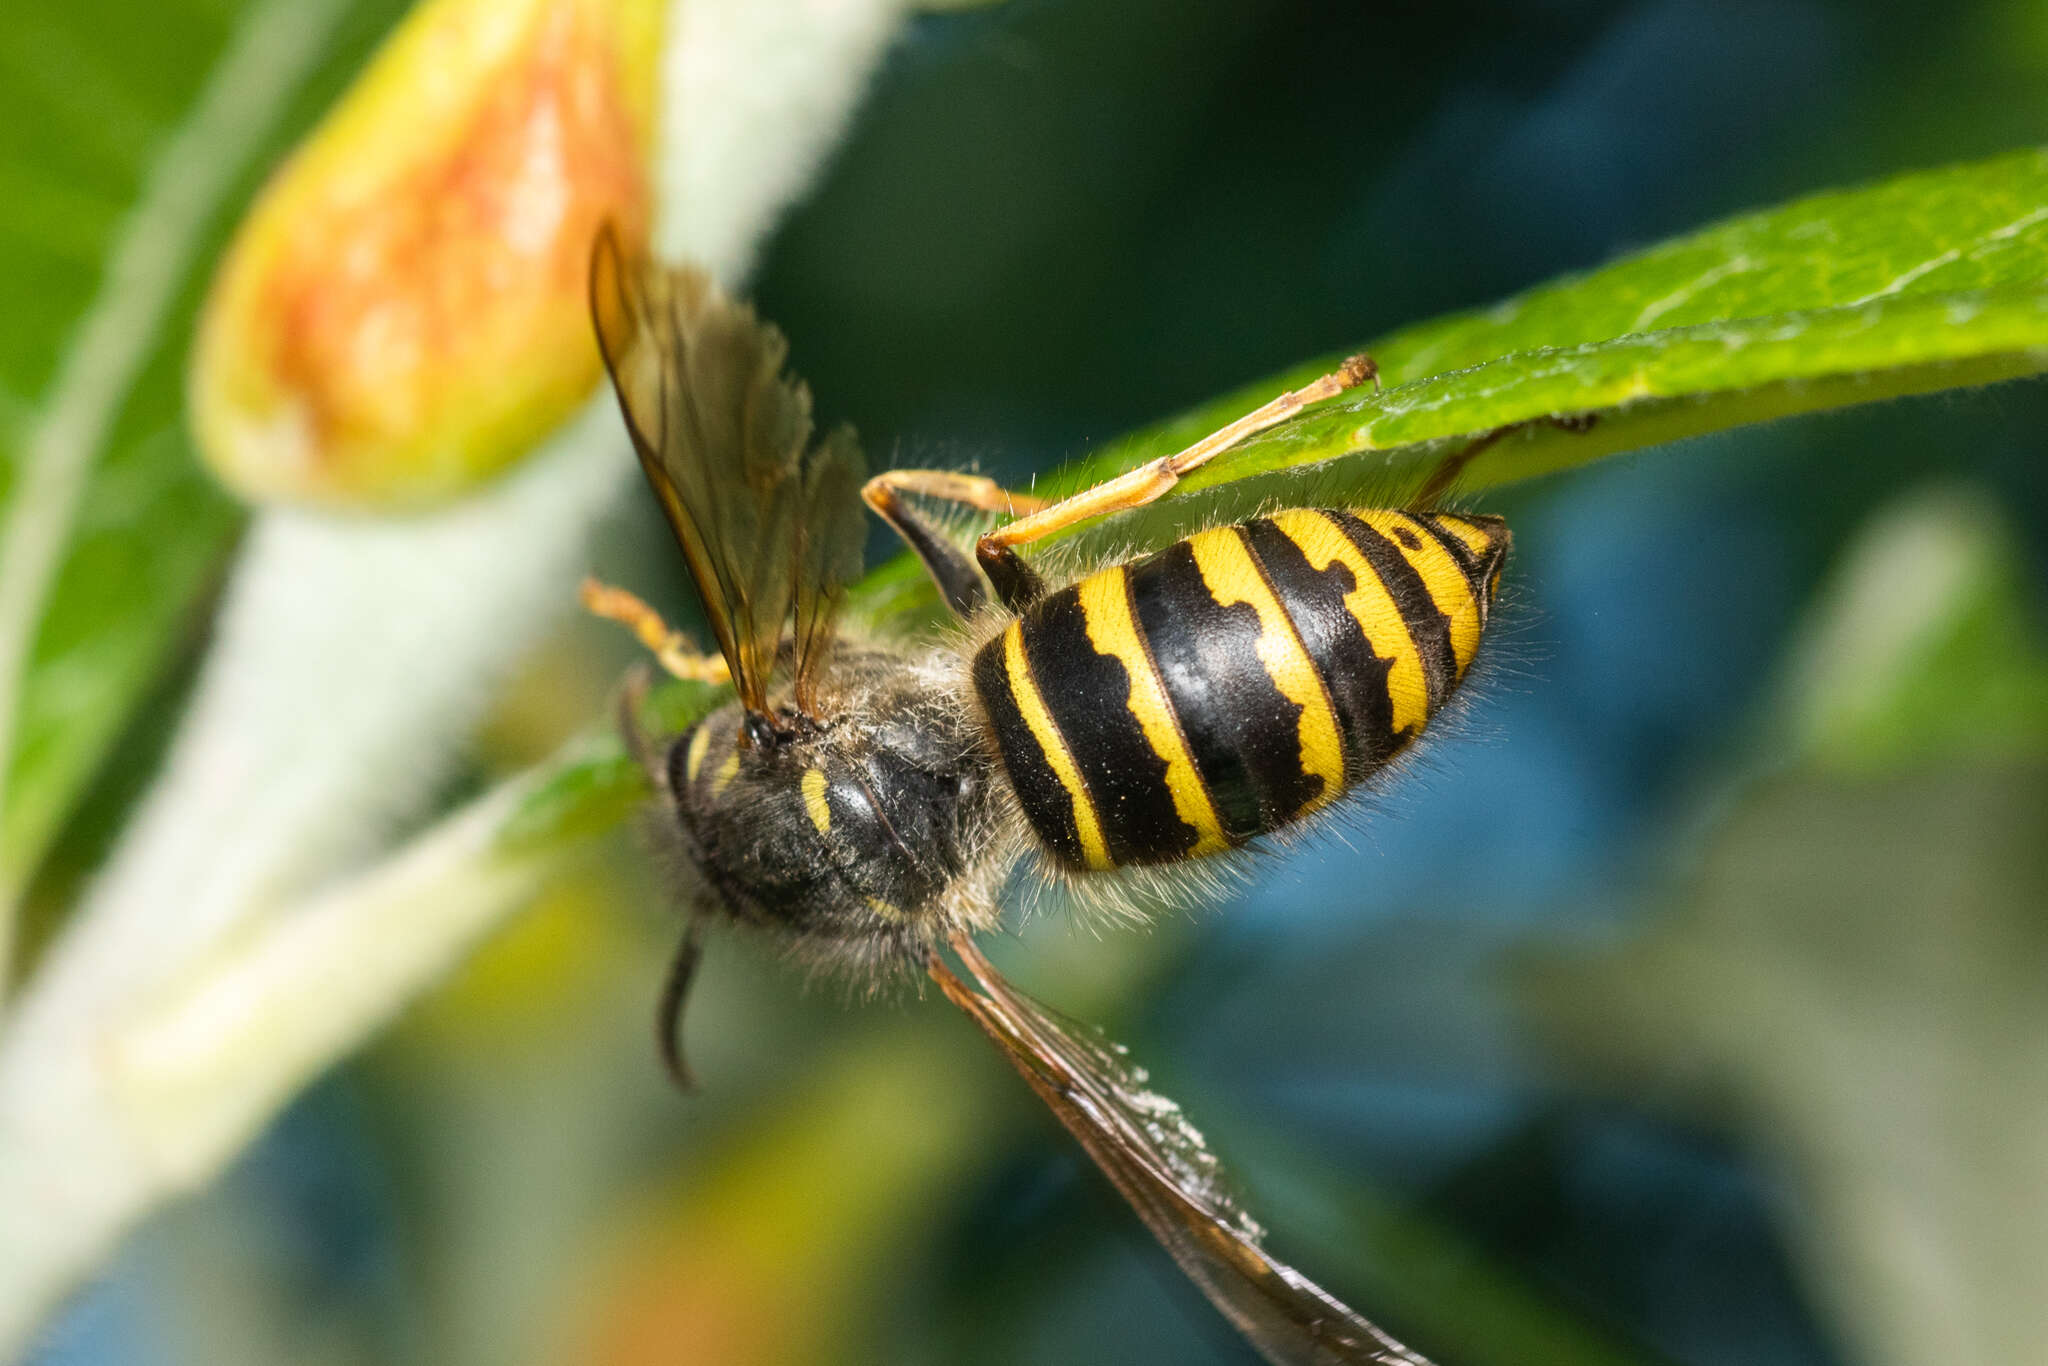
(402, 312)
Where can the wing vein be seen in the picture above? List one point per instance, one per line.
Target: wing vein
(770, 525)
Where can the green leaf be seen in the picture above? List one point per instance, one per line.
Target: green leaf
(140, 142)
(1930, 281)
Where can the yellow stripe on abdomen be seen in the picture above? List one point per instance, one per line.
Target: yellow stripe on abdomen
(1053, 747)
(1324, 543)
(1106, 604)
(1232, 576)
(1474, 538)
(1441, 574)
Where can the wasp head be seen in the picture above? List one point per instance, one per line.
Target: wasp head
(844, 834)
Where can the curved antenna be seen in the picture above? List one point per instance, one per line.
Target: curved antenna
(668, 1012)
(639, 745)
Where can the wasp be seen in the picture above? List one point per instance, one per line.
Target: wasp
(866, 800)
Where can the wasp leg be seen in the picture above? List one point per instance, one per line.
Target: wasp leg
(671, 649)
(1015, 582)
(1451, 466)
(1149, 481)
(948, 565)
(974, 490)
(1447, 471)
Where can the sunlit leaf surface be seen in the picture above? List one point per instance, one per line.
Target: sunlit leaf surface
(1930, 281)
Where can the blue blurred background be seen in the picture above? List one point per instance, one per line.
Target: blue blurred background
(1628, 1026)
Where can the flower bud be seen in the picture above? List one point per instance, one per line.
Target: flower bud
(402, 313)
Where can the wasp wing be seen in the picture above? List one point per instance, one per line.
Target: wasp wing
(764, 518)
(831, 531)
(1158, 1161)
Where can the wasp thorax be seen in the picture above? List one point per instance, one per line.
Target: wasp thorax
(848, 832)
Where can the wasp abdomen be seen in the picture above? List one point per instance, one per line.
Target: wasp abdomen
(1235, 681)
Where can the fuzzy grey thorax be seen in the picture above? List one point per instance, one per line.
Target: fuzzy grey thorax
(844, 834)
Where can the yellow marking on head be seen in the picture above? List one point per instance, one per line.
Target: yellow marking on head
(1443, 576)
(693, 757)
(722, 777)
(1053, 746)
(1232, 576)
(813, 787)
(884, 909)
(1106, 607)
(1324, 543)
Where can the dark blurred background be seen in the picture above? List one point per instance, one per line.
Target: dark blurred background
(1680, 1007)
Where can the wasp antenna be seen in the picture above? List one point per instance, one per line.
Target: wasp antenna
(630, 730)
(668, 1014)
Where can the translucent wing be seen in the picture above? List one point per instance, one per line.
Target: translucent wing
(770, 525)
(1159, 1162)
(831, 530)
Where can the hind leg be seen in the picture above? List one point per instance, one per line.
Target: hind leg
(1447, 471)
(1015, 582)
(950, 569)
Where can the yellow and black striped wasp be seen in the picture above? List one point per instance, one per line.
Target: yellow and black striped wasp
(866, 801)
